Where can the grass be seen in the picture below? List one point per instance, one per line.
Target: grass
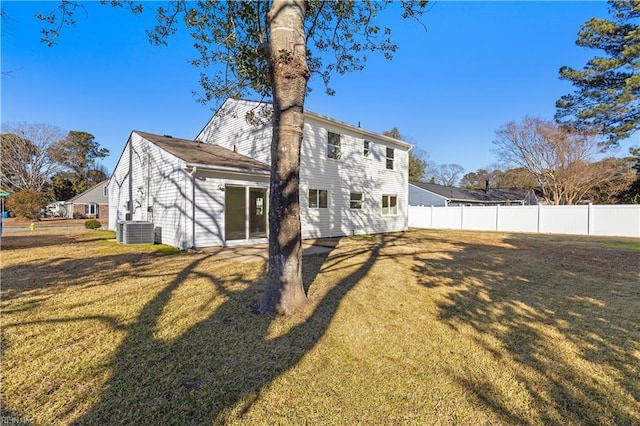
(424, 327)
(631, 245)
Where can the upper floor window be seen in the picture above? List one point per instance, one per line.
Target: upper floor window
(355, 200)
(317, 198)
(389, 204)
(366, 149)
(333, 146)
(390, 158)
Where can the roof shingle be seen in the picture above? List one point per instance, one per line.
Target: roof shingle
(206, 154)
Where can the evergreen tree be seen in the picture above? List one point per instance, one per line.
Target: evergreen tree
(608, 88)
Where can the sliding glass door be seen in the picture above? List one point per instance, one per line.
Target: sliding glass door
(245, 213)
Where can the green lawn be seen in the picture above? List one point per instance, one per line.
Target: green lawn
(422, 327)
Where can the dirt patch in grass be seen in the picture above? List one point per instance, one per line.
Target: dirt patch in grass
(424, 327)
(16, 222)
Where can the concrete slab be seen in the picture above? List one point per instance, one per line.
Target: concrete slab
(257, 252)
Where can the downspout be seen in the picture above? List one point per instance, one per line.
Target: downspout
(193, 205)
(130, 203)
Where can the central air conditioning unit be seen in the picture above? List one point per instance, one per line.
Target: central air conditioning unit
(135, 232)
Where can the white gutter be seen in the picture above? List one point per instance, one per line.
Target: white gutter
(331, 121)
(232, 170)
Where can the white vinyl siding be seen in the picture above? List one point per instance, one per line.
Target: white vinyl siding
(158, 189)
(355, 171)
(229, 128)
(340, 178)
(164, 191)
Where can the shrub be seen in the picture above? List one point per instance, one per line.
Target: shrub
(92, 224)
(26, 203)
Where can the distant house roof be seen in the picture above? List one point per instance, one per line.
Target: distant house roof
(476, 196)
(94, 194)
(205, 154)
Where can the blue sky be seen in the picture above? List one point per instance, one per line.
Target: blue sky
(476, 66)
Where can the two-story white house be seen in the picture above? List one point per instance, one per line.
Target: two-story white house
(213, 191)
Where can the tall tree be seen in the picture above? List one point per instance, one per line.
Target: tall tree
(26, 163)
(448, 174)
(77, 153)
(518, 177)
(561, 159)
(481, 178)
(300, 39)
(497, 178)
(616, 176)
(607, 92)
(631, 195)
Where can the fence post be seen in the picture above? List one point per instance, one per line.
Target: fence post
(431, 216)
(462, 216)
(539, 217)
(497, 217)
(589, 219)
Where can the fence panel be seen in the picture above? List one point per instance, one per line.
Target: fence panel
(420, 217)
(451, 218)
(564, 220)
(623, 221)
(479, 218)
(518, 218)
(606, 220)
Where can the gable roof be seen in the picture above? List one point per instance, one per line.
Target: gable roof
(91, 198)
(204, 154)
(492, 195)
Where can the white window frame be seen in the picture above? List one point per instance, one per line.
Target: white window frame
(389, 210)
(366, 149)
(317, 195)
(390, 158)
(357, 201)
(91, 209)
(334, 145)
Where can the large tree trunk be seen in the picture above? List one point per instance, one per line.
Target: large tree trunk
(289, 73)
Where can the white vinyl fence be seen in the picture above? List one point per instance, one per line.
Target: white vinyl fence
(609, 220)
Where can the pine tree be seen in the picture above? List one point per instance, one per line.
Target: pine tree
(608, 88)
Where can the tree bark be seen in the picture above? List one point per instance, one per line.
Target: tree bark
(289, 75)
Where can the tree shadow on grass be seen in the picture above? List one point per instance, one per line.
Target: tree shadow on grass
(555, 308)
(217, 367)
(48, 238)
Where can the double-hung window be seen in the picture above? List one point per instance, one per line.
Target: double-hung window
(355, 200)
(366, 149)
(90, 209)
(389, 205)
(317, 198)
(333, 146)
(390, 158)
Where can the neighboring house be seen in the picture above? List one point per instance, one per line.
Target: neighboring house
(431, 194)
(91, 204)
(56, 209)
(214, 191)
